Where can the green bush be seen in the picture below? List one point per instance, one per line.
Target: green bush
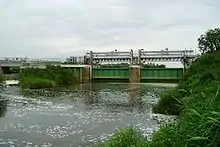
(169, 103)
(34, 83)
(197, 101)
(128, 137)
(198, 126)
(204, 71)
(51, 76)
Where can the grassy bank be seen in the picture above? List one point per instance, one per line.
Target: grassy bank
(196, 100)
(47, 78)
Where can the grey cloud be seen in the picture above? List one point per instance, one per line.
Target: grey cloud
(55, 27)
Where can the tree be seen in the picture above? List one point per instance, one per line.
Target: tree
(210, 41)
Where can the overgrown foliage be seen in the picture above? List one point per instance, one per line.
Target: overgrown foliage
(203, 72)
(128, 137)
(210, 41)
(197, 101)
(199, 124)
(52, 76)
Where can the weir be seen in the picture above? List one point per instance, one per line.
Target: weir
(133, 74)
(133, 70)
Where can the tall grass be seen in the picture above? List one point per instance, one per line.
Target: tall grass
(52, 76)
(197, 101)
(125, 138)
(203, 72)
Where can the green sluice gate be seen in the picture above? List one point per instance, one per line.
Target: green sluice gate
(110, 73)
(161, 75)
(158, 75)
(147, 75)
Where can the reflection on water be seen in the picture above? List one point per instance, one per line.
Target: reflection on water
(3, 103)
(75, 116)
(3, 107)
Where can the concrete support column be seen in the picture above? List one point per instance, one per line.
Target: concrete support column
(91, 58)
(81, 75)
(132, 57)
(139, 57)
(134, 74)
(87, 74)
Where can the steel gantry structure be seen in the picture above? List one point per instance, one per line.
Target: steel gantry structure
(95, 58)
(142, 57)
(109, 57)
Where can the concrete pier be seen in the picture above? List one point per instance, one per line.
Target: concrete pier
(87, 75)
(134, 74)
(83, 72)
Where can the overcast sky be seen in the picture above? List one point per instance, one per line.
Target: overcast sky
(55, 28)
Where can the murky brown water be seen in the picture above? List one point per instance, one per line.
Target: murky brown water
(77, 116)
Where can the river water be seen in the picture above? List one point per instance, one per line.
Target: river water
(76, 116)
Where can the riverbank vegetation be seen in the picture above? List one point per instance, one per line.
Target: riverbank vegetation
(1, 78)
(51, 76)
(196, 100)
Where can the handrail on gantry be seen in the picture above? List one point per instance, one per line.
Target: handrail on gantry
(142, 54)
(182, 53)
(172, 51)
(101, 56)
(111, 52)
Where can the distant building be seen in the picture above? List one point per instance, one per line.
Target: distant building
(16, 59)
(77, 60)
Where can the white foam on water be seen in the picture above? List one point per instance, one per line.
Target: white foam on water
(11, 82)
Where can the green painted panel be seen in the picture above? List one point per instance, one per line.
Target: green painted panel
(180, 73)
(173, 73)
(155, 73)
(146, 73)
(110, 73)
(161, 73)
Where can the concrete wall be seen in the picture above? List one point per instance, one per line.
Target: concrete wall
(134, 74)
(87, 77)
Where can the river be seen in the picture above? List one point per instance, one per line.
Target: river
(76, 116)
